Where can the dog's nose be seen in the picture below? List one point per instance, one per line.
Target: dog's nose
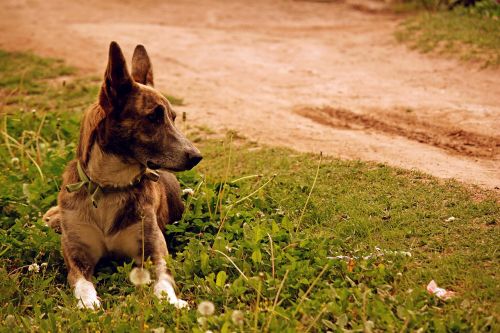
(193, 158)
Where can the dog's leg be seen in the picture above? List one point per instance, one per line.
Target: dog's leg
(81, 257)
(155, 247)
(52, 218)
(173, 193)
(165, 286)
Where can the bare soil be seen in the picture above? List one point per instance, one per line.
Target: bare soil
(452, 139)
(314, 76)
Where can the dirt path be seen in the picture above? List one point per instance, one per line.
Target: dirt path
(270, 70)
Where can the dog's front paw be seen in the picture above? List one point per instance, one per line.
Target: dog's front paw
(180, 304)
(164, 289)
(89, 303)
(86, 295)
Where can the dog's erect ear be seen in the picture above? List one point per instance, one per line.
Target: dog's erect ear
(142, 70)
(117, 80)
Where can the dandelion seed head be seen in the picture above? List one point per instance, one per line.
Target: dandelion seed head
(10, 320)
(206, 308)
(237, 317)
(140, 276)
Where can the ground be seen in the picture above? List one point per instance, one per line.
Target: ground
(312, 76)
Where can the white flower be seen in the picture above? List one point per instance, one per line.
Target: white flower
(202, 321)
(139, 276)
(26, 190)
(208, 331)
(34, 268)
(206, 308)
(188, 191)
(369, 326)
(405, 253)
(237, 317)
(158, 330)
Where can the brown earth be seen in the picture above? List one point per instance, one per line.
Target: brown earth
(314, 76)
(452, 139)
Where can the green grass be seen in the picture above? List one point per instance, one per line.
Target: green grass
(268, 261)
(471, 34)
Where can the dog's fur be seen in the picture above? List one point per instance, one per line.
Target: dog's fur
(131, 127)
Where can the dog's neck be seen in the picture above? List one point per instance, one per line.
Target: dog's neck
(109, 170)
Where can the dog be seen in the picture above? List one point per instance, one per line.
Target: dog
(118, 194)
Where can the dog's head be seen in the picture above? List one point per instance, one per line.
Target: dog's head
(139, 122)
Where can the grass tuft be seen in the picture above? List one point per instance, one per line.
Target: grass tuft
(469, 34)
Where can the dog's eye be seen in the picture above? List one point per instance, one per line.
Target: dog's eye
(157, 115)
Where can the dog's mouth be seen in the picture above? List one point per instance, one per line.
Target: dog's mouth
(154, 166)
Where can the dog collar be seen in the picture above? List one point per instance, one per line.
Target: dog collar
(96, 190)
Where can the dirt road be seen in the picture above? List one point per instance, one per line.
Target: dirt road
(312, 76)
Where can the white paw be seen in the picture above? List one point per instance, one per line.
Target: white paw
(180, 304)
(163, 288)
(89, 303)
(86, 295)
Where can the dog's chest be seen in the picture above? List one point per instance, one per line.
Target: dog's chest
(118, 224)
(108, 211)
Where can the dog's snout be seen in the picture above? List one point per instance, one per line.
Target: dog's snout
(193, 158)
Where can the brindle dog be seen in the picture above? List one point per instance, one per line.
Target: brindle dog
(124, 137)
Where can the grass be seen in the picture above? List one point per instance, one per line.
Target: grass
(239, 244)
(470, 34)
